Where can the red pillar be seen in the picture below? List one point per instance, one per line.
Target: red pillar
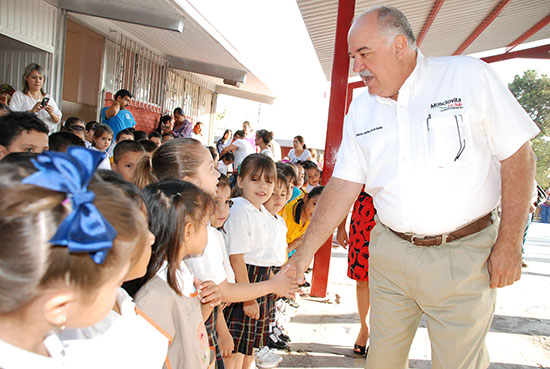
(336, 112)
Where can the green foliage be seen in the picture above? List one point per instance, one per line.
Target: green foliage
(533, 93)
(221, 115)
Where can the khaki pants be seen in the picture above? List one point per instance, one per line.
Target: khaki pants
(448, 283)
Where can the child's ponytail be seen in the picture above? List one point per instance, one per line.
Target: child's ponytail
(143, 176)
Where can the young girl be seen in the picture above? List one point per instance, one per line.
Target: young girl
(178, 214)
(126, 337)
(297, 215)
(313, 175)
(102, 139)
(54, 272)
(249, 238)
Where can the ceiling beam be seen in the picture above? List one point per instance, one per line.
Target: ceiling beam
(539, 52)
(530, 32)
(125, 13)
(264, 99)
(431, 17)
(486, 22)
(226, 73)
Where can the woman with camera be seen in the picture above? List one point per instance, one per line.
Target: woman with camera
(34, 99)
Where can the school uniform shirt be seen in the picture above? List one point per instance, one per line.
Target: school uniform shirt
(453, 122)
(126, 340)
(105, 163)
(12, 357)
(22, 102)
(213, 264)
(249, 231)
(295, 230)
(180, 317)
(280, 228)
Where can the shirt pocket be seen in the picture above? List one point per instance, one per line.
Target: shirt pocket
(448, 140)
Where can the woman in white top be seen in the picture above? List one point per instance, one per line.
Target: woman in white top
(263, 139)
(299, 152)
(34, 99)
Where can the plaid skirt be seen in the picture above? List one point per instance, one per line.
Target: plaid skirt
(249, 333)
(210, 325)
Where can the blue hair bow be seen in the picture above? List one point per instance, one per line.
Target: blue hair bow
(85, 229)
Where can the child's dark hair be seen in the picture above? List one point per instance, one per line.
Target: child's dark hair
(213, 152)
(239, 133)
(281, 180)
(223, 182)
(60, 141)
(125, 146)
(90, 126)
(170, 206)
(258, 165)
(175, 159)
(308, 164)
(163, 120)
(297, 210)
(148, 145)
(29, 217)
(140, 135)
(70, 121)
(126, 131)
(155, 134)
(101, 129)
(289, 171)
(167, 134)
(14, 123)
(228, 156)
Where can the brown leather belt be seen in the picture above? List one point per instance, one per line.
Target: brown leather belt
(467, 230)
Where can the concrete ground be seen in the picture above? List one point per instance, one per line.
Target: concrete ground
(324, 329)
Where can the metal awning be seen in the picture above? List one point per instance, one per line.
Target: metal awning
(198, 48)
(446, 27)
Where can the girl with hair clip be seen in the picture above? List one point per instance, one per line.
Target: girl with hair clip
(178, 215)
(249, 238)
(127, 337)
(65, 246)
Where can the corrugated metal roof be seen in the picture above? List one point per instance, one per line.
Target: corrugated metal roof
(456, 20)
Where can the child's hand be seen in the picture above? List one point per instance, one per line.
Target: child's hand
(209, 293)
(251, 309)
(225, 341)
(285, 282)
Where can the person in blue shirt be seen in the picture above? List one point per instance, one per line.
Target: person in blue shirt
(116, 116)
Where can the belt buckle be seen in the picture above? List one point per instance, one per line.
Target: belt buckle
(413, 237)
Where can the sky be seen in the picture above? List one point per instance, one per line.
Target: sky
(282, 55)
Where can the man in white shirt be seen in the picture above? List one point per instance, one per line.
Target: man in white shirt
(439, 143)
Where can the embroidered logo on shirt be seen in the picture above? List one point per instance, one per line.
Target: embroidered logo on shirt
(454, 103)
(369, 131)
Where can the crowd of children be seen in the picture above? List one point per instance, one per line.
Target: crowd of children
(120, 255)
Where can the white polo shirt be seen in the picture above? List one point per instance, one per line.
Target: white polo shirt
(250, 231)
(431, 159)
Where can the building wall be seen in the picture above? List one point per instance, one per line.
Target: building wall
(147, 116)
(13, 61)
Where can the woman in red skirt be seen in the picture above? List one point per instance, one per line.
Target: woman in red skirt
(362, 222)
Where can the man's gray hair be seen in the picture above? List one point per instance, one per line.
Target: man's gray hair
(392, 22)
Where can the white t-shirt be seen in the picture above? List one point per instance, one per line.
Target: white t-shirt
(303, 157)
(200, 138)
(21, 102)
(12, 357)
(105, 163)
(431, 159)
(267, 152)
(125, 340)
(280, 244)
(276, 150)
(213, 264)
(244, 148)
(250, 231)
(223, 168)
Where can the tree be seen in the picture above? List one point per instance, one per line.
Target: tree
(533, 93)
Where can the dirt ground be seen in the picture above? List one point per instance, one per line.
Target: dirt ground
(324, 329)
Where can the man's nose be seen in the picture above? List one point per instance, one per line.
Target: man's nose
(358, 65)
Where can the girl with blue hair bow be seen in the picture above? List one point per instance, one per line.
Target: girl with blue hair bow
(65, 246)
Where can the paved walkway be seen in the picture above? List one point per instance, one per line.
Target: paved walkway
(324, 330)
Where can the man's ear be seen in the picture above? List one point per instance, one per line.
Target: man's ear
(3, 151)
(56, 307)
(400, 45)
